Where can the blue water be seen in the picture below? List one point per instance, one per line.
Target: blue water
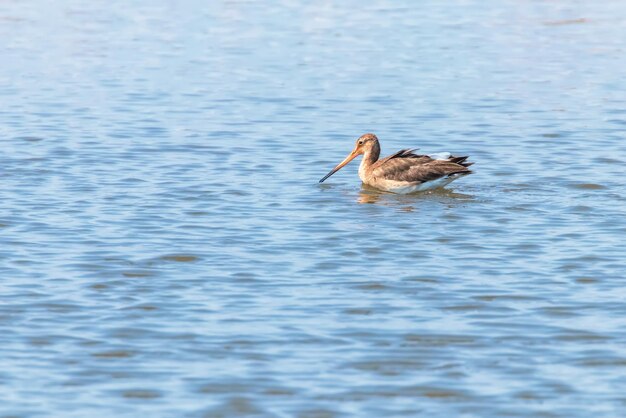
(166, 250)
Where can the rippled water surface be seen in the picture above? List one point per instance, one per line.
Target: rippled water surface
(166, 250)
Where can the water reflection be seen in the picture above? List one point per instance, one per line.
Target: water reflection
(406, 202)
(369, 195)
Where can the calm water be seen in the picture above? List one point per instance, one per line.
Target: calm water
(166, 250)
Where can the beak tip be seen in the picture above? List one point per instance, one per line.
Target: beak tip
(323, 179)
(341, 164)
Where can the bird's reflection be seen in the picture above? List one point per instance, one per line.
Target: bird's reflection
(368, 195)
(408, 202)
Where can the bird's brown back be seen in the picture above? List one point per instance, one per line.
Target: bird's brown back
(407, 166)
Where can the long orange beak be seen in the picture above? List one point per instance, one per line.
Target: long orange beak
(349, 158)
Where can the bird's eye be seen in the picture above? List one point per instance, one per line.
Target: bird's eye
(360, 142)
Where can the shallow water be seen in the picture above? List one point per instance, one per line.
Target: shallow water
(166, 249)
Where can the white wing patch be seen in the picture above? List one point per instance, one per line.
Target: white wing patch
(440, 155)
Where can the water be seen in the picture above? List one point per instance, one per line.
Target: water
(166, 249)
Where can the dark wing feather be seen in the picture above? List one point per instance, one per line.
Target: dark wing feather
(434, 170)
(403, 153)
(460, 160)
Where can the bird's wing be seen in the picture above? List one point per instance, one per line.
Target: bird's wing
(406, 166)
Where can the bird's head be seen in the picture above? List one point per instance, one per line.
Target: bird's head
(363, 145)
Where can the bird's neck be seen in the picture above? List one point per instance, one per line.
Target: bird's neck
(369, 158)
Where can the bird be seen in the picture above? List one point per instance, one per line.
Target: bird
(403, 172)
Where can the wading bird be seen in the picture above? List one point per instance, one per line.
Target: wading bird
(403, 172)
